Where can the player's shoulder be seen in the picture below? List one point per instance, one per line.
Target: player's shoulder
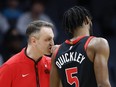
(55, 50)
(99, 40)
(98, 43)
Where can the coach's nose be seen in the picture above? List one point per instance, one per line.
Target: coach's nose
(51, 42)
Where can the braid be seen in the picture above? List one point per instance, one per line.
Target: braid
(74, 18)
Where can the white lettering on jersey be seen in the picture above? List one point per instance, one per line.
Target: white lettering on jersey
(68, 57)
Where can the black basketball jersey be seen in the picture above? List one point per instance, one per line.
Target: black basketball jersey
(74, 67)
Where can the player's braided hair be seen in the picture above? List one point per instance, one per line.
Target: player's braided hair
(74, 17)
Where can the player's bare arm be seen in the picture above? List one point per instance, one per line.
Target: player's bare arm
(98, 52)
(54, 76)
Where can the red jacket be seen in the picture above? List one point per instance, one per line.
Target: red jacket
(21, 71)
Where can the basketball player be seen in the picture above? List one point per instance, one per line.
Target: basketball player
(81, 61)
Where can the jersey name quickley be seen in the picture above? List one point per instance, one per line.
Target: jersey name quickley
(69, 57)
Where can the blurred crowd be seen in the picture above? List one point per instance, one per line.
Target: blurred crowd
(15, 15)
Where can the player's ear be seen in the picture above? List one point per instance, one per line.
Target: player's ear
(87, 20)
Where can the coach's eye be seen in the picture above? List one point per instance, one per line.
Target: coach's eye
(48, 39)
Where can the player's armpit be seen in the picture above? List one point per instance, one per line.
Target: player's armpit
(101, 62)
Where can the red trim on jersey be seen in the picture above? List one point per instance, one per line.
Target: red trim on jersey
(74, 41)
(87, 42)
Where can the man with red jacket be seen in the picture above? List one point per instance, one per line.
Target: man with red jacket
(30, 67)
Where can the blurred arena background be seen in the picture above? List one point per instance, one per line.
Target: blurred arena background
(16, 14)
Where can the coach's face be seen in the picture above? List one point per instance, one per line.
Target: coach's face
(45, 41)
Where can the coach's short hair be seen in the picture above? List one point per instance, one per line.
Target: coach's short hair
(35, 26)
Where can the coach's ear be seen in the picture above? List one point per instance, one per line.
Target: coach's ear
(54, 48)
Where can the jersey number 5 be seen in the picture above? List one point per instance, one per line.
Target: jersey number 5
(72, 79)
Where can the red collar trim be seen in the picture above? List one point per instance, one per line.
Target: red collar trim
(27, 57)
(74, 41)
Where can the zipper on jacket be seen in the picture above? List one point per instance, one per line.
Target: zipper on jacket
(37, 75)
(36, 67)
